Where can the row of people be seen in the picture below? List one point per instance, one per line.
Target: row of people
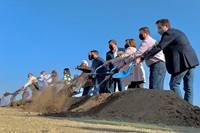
(137, 79)
(41, 82)
(180, 57)
(173, 52)
(156, 64)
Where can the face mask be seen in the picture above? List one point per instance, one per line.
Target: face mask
(160, 31)
(90, 57)
(110, 47)
(141, 37)
(126, 46)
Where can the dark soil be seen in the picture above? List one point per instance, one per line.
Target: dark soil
(135, 105)
(139, 105)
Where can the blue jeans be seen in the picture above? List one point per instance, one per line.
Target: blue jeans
(112, 84)
(188, 78)
(157, 76)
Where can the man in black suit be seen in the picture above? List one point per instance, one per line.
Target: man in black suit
(110, 55)
(181, 58)
(96, 62)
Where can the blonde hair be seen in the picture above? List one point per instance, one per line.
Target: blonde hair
(131, 42)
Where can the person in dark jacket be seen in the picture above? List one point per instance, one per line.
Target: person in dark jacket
(181, 58)
(111, 54)
(96, 62)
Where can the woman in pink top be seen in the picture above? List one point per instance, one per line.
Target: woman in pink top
(137, 79)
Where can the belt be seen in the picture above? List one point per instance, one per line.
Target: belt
(156, 62)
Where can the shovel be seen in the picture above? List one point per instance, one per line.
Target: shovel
(114, 70)
(78, 92)
(124, 74)
(95, 71)
(97, 87)
(7, 94)
(14, 94)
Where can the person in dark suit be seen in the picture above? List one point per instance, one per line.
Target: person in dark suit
(111, 54)
(96, 62)
(181, 58)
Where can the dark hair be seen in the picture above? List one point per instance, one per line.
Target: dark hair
(68, 71)
(30, 74)
(113, 41)
(95, 51)
(42, 72)
(145, 29)
(163, 22)
(54, 72)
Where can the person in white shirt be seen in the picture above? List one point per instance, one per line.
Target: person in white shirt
(44, 80)
(4, 101)
(32, 84)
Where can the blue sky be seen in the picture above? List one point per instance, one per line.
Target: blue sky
(38, 35)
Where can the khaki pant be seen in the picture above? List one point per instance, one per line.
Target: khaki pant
(35, 90)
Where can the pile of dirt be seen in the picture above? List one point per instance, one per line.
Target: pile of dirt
(135, 105)
(138, 105)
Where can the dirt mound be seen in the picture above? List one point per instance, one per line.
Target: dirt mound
(152, 106)
(139, 105)
(136, 105)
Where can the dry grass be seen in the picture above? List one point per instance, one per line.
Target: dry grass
(18, 121)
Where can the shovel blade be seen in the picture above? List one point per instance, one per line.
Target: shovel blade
(121, 75)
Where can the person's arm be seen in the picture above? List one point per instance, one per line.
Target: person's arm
(49, 77)
(125, 55)
(28, 83)
(40, 78)
(141, 50)
(165, 41)
(31, 80)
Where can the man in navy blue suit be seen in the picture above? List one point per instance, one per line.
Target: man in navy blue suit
(96, 62)
(110, 55)
(181, 58)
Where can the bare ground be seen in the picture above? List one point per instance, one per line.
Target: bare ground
(19, 121)
(159, 111)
